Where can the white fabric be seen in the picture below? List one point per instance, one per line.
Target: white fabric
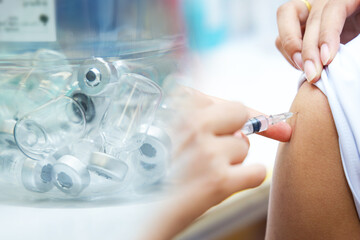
(340, 82)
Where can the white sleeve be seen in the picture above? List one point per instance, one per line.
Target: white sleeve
(340, 82)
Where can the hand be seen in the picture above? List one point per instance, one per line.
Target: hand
(195, 99)
(210, 127)
(209, 153)
(310, 41)
(207, 164)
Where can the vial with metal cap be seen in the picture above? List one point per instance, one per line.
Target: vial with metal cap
(70, 175)
(36, 176)
(108, 166)
(94, 108)
(95, 74)
(150, 161)
(87, 105)
(47, 129)
(134, 105)
(33, 175)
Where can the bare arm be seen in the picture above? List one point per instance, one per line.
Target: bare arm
(310, 198)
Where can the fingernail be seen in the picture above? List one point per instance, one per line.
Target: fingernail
(310, 70)
(239, 134)
(298, 60)
(325, 54)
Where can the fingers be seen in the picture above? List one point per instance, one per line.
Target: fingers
(236, 148)
(280, 132)
(311, 51)
(290, 17)
(245, 176)
(223, 118)
(331, 27)
(320, 41)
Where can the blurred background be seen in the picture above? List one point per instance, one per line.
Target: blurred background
(225, 48)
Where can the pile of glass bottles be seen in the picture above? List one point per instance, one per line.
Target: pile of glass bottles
(83, 129)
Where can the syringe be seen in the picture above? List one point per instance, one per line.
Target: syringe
(261, 123)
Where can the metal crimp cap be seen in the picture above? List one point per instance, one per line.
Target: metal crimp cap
(70, 175)
(94, 75)
(36, 176)
(151, 158)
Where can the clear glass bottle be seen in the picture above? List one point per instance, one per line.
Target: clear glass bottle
(54, 125)
(17, 169)
(150, 161)
(132, 110)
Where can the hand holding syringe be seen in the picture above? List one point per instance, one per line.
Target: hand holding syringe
(261, 123)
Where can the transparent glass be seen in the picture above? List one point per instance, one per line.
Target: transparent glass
(11, 161)
(82, 29)
(18, 171)
(135, 100)
(45, 76)
(47, 57)
(50, 127)
(150, 161)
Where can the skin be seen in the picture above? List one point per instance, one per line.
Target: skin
(208, 161)
(314, 37)
(310, 198)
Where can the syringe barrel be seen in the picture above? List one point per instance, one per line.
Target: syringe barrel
(256, 124)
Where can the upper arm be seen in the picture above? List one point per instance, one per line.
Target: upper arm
(310, 198)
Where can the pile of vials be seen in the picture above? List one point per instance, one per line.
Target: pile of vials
(81, 131)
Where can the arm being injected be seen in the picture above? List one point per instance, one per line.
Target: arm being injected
(261, 123)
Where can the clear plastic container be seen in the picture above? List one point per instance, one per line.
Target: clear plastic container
(81, 29)
(98, 59)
